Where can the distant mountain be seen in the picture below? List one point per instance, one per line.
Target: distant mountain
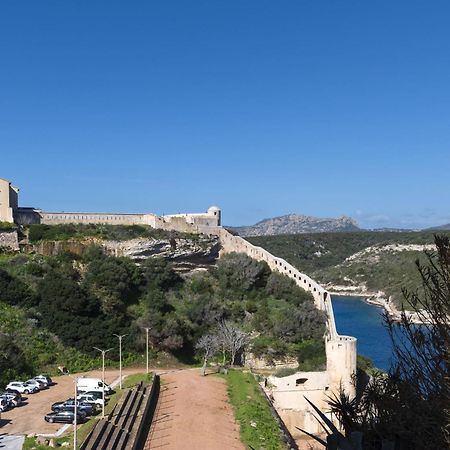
(445, 227)
(295, 223)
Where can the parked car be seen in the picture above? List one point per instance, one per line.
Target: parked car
(21, 387)
(14, 399)
(69, 405)
(38, 384)
(95, 394)
(65, 417)
(44, 378)
(5, 404)
(86, 398)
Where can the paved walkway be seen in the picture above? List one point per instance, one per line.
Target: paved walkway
(193, 413)
(9, 442)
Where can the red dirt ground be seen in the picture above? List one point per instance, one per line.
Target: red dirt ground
(193, 413)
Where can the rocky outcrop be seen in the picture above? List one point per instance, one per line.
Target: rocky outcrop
(185, 253)
(295, 223)
(9, 240)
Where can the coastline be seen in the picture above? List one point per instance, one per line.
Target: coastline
(375, 298)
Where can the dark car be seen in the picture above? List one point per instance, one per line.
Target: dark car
(65, 417)
(69, 405)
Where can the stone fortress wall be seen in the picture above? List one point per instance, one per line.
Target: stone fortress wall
(288, 393)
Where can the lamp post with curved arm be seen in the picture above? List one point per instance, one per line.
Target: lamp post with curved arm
(120, 336)
(103, 352)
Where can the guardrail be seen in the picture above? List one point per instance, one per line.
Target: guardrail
(126, 427)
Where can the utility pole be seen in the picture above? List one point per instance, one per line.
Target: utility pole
(147, 329)
(120, 336)
(103, 352)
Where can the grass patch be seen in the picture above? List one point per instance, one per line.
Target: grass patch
(257, 426)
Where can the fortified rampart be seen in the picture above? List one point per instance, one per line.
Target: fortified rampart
(288, 393)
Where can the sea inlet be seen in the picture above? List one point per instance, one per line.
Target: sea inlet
(355, 317)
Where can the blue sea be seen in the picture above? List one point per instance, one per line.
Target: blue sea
(355, 317)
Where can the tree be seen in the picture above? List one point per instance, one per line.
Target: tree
(231, 339)
(208, 345)
(423, 352)
(240, 272)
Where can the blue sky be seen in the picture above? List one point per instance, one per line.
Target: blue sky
(261, 107)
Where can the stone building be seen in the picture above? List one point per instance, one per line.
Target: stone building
(8, 201)
(11, 212)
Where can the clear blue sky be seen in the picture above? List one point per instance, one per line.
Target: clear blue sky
(261, 107)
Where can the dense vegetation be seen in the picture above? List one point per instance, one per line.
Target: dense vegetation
(323, 255)
(41, 232)
(58, 308)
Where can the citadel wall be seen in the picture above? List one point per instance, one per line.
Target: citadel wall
(289, 393)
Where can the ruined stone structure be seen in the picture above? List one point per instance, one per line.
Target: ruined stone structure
(288, 393)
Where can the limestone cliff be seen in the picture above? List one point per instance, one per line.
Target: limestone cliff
(185, 253)
(9, 240)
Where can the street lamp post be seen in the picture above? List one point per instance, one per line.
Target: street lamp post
(75, 415)
(147, 329)
(103, 352)
(120, 336)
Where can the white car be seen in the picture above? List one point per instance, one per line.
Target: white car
(21, 387)
(44, 379)
(86, 398)
(3, 404)
(37, 384)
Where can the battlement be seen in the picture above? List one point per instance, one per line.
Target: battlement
(11, 212)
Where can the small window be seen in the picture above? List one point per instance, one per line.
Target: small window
(300, 381)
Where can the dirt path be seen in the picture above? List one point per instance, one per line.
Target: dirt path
(193, 413)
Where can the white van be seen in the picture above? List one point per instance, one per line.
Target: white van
(92, 384)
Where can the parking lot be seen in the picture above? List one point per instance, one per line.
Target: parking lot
(29, 417)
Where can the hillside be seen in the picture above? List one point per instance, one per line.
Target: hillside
(445, 227)
(65, 296)
(295, 223)
(362, 261)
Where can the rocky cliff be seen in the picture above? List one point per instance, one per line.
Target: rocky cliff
(296, 223)
(9, 240)
(185, 253)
